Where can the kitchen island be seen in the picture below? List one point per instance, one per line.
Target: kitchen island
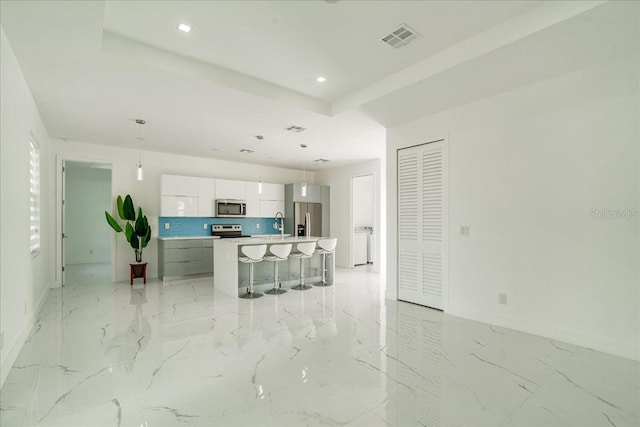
(232, 276)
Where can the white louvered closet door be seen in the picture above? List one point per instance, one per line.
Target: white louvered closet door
(422, 224)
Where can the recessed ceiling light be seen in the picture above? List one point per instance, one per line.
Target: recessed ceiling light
(246, 150)
(303, 145)
(184, 27)
(321, 79)
(294, 128)
(319, 161)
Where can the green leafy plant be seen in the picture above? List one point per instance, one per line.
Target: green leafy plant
(136, 229)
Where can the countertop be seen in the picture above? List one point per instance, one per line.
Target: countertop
(188, 237)
(273, 238)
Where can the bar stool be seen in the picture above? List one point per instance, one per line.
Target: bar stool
(325, 247)
(304, 251)
(279, 253)
(252, 254)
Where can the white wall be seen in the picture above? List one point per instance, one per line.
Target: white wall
(339, 179)
(24, 279)
(364, 200)
(147, 193)
(87, 196)
(527, 168)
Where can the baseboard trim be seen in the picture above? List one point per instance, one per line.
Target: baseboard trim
(596, 342)
(17, 346)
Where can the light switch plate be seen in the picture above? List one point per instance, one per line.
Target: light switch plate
(205, 226)
(167, 226)
(257, 225)
(502, 299)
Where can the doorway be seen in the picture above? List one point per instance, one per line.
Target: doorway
(363, 200)
(86, 242)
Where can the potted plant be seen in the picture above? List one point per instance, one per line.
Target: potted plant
(136, 230)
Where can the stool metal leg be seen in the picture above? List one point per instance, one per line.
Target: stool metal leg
(301, 286)
(277, 285)
(323, 282)
(250, 292)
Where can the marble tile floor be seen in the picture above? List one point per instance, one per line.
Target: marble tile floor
(179, 353)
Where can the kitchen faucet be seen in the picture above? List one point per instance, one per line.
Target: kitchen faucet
(281, 224)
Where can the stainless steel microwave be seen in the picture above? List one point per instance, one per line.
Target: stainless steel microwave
(226, 208)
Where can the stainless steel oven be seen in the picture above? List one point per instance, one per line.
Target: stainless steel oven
(226, 208)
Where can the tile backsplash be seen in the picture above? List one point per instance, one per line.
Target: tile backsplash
(190, 226)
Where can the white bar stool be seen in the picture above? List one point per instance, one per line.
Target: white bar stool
(279, 253)
(252, 254)
(304, 251)
(325, 247)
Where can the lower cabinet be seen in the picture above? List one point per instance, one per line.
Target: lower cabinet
(184, 257)
(207, 256)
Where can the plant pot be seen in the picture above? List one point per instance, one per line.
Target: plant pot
(138, 271)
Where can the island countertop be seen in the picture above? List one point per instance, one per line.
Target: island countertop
(269, 239)
(187, 237)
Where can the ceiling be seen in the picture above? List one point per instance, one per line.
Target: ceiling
(249, 68)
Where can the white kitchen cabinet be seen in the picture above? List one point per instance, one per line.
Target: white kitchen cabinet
(206, 197)
(178, 185)
(272, 192)
(269, 208)
(178, 206)
(253, 199)
(229, 189)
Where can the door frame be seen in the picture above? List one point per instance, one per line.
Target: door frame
(375, 216)
(59, 252)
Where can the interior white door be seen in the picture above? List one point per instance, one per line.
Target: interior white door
(422, 224)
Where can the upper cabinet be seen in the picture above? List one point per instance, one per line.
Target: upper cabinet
(252, 198)
(314, 193)
(177, 185)
(269, 208)
(179, 195)
(178, 206)
(272, 192)
(233, 190)
(207, 197)
(196, 197)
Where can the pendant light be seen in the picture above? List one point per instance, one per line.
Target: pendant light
(260, 186)
(303, 188)
(139, 169)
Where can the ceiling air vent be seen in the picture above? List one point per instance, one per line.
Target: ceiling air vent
(246, 150)
(320, 161)
(294, 128)
(401, 36)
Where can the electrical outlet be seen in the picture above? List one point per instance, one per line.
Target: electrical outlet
(167, 226)
(465, 230)
(275, 225)
(206, 226)
(502, 299)
(257, 225)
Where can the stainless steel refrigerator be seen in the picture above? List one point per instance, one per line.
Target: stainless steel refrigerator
(307, 217)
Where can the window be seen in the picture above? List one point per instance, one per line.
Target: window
(34, 198)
